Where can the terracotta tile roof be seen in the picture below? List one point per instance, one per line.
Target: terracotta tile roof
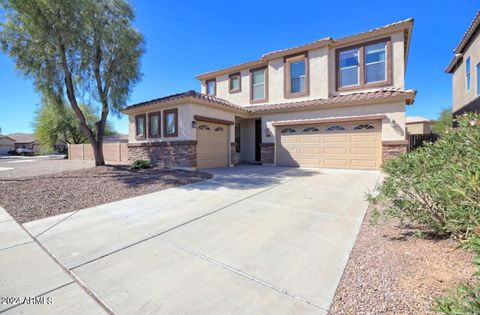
(458, 51)
(307, 46)
(468, 33)
(188, 94)
(375, 29)
(363, 97)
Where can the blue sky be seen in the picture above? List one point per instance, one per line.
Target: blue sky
(185, 38)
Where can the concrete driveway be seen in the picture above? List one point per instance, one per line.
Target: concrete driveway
(253, 240)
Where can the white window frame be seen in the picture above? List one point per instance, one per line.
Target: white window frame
(357, 66)
(468, 71)
(376, 62)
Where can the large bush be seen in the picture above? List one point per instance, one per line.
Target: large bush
(466, 298)
(438, 185)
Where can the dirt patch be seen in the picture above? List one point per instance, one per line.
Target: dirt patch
(33, 198)
(393, 270)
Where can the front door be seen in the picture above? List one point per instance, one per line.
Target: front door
(258, 140)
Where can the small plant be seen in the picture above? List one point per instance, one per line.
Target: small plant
(140, 165)
(466, 298)
(438, 185)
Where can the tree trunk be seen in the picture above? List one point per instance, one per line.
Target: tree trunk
(98, 153)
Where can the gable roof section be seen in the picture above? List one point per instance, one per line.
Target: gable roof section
(7, 137)
(404, 24)
(458, 51)
(347, 99)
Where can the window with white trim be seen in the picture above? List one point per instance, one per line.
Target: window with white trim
(349, 67)
(375, 63)
(467, 73)
(258, 84)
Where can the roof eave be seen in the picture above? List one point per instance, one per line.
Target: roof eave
(453, 63)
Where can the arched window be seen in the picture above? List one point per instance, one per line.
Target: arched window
(288, 130)
(363, 126)
(311, 129)
(220, 129)
(204, 127)
(335, 128)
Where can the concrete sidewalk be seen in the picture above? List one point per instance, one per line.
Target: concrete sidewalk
(32, 282)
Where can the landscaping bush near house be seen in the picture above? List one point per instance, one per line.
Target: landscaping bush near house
(438, 185)
(466, 298)
(140, 165)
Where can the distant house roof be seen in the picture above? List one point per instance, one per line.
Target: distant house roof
(417, 119)
(346, 99)
(400, 25)
(6, 137)
(119, 137)
(458, 51)
(22, 137)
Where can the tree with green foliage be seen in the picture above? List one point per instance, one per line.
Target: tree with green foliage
(55, 123)
(83, 51)
(443, 122)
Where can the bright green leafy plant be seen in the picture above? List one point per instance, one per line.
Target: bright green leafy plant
(140, 165)
(438, 185)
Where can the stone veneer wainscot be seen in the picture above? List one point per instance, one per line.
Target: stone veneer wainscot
(393, 149)
(181, 154)
(267, 153)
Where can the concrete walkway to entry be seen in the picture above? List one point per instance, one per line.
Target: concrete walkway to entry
(252, 240)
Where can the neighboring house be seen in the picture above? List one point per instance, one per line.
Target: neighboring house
(465, 70)
(119, 137)
(329, 103)
(417, 125)
(26, 141)
(6, 144)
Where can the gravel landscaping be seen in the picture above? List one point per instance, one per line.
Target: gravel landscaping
(392, 270)
(32, 198)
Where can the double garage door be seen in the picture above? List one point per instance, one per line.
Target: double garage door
(212, 145)
(335, 145)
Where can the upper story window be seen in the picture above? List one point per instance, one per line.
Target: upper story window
(170, 122)
(296, 75)
(349, 67)
(258, 85)
(375, 63)
(467, 73)
(365, 65)
(140, 126)
(234, 82)
(478, 79)
(154, 125)
(211, 87)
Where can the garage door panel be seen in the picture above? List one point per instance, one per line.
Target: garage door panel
(336, 150)
(310, 150)
(349, 148)
(364, 150)
(336, 139)
(310, 139)
(336, 163)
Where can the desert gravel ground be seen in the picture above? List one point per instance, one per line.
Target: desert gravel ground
(392, 270)
(33, 198)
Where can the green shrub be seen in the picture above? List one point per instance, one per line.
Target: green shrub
(140, 165)
(438, 185)
(466, 298)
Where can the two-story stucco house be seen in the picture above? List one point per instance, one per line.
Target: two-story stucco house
(465, 70)
(336, 103)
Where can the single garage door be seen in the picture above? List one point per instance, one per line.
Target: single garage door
(212, 145)
(4, 148)
(336, 145)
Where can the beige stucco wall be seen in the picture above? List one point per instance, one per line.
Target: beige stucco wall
(321, 75)
(393, 111)
(186, 113)
(460, 95)
(419, 128)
